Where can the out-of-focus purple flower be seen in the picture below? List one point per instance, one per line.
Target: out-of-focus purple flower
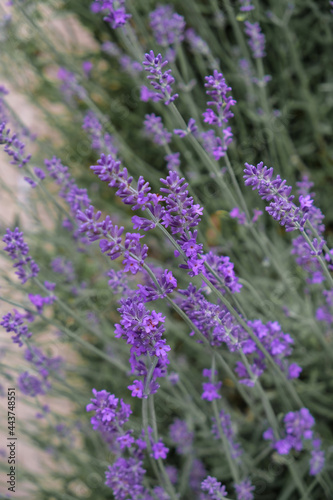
(168, 26)
(256, 39)
(159, 450)
(155, 130)
(213, 144)
(181, 436)
(210, 391)
(87, 66)
(38, 301)
(14, 148)
(245, 6)
(70, 87)
(317, 460)
(235, 213)
(173, 161)
(226, 424)
(18, 251)
(244, 490)
(213, 488)
(161, 81)
(30, 385)
(197, 44)
(113, 10)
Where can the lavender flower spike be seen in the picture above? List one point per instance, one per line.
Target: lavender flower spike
(256, 39)
(161, 81)
(18, 251)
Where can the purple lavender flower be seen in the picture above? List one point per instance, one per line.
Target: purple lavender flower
(159, 450)
(70, 87)
(226, 424)
(256, 39)
(154, 129)
(43, 363)
(161, 81)
(191, 129)
(298, 427)
(235, 213)
(13, 322)
(210, 391)
(13, 147)
(214, 488)
(109, 416)
(168, 26)
(317, 460)
(181, 436)
(173, 161)
(114, 10)
(30, 385)
(281, 206)
(217, 89)
(125, 478)
(244, 490)
(197, 44)
(141, 328)
(213, 144)
(18, 251)
(38, 301)
(87, 66)
(245, 6)
(99, 141)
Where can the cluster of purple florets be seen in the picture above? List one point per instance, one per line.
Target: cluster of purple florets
(297, 431)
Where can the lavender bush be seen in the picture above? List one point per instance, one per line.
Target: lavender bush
(174, 282)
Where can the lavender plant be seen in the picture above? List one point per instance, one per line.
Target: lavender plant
(191, 322)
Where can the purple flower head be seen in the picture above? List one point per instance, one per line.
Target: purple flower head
(159, 450)
(278, 193)
(38, 301)
(87, 66)
(217, 89)
(235, 213)
(245, 6)
(13, 147)
(109, 415)
(317, 460)
(160, 81)
(197, 44)
(30, 385)
(256, 39)
(125, 478)
(43, 363)
(173, 161)
(114, 11)
(168, 26)
(210, 391)
(213, 488)
(141, 328)
(298, 427)
(13, 322)
(244, 490)
(155, 130)
(181, 436)
(181, 213)
(18, 250)
(213, 144)
(191, 129)
(70, 86)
